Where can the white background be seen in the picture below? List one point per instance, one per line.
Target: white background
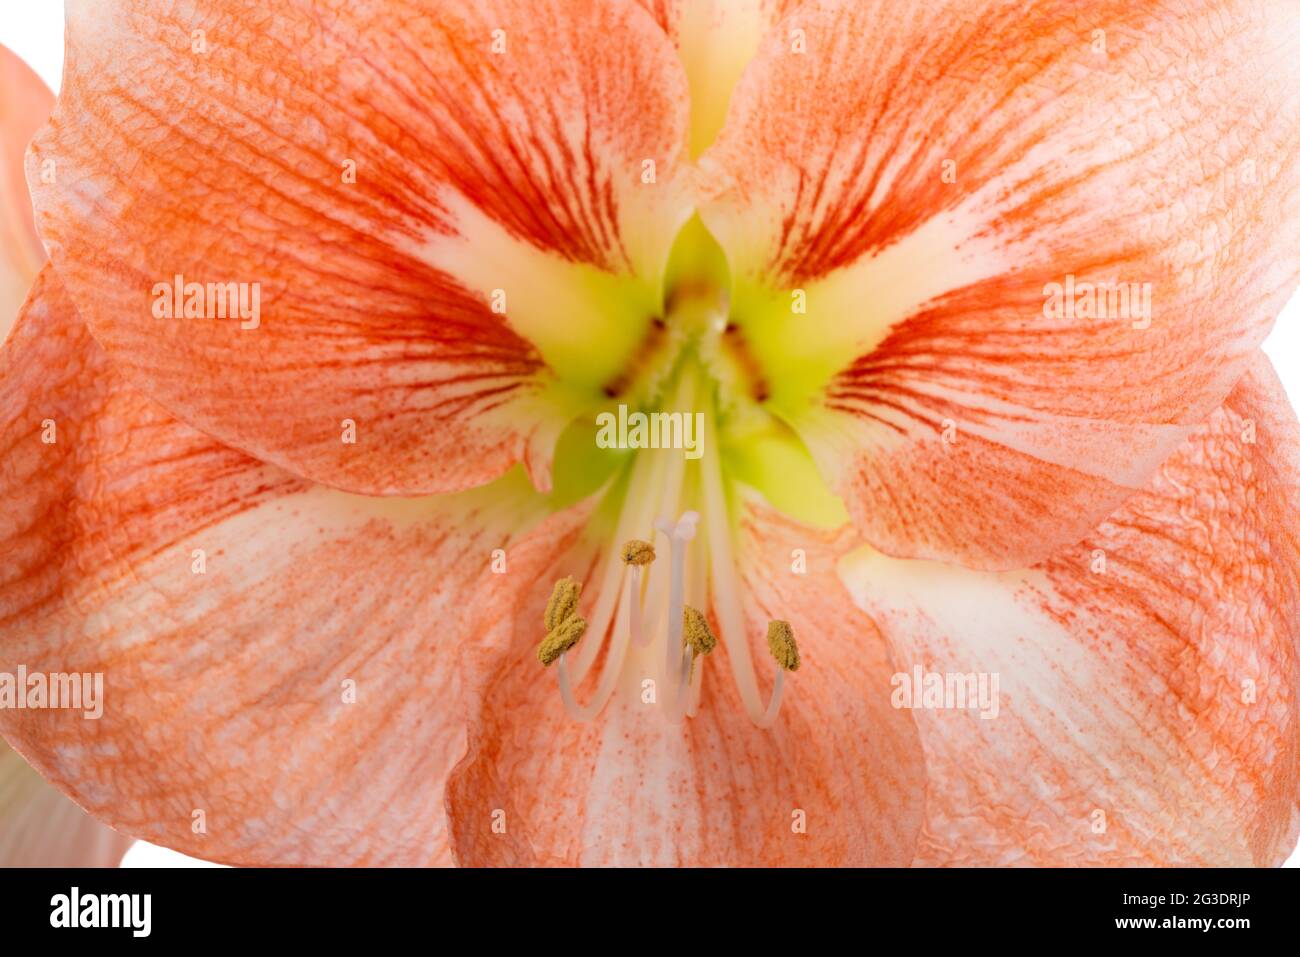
(34, 30)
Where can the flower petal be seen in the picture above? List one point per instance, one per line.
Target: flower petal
(921, 180)
(39, 827)
(292, 661)
(25, 104)
(453, 248)
(1147, 676)
(838, 780)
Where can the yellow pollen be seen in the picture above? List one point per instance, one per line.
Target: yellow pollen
(563, 603)
(696, 631)
(563, 637)
(637, 552)
(780, 641)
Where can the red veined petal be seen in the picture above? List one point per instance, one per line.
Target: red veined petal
(1147, 675)
(838, 779)
(40, 827)
(25, 103)
(923, 177)
(286, 668)
(447, 216)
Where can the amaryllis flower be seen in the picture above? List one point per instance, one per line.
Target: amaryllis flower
(357, 319)
(39, 826)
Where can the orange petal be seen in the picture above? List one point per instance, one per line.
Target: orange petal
(921, 176)
(838, 780)
(39, 827)
(289, 660)
(25, 104)
(1148, 675)
(384, 181)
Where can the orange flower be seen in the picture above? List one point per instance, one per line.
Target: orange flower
(948, 314)
(38, 826)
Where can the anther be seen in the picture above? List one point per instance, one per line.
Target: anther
(563, 602)
(780, 641)
(637, 552)
(561, 638)
(696, 632)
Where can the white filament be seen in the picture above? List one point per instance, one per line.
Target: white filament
(658, 480)
(727, 597)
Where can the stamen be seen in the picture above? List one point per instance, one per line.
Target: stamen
(653, 477)
(697, 633)
(563, 602)
(563, 637)
(656, 482)
(605, 686)
(637, 515)
(640, 638)
(637, 552)
(726, 593)
(727, 600)
(698, 639)
(774, 703)
(780, 641)
(693, 692)
(680, 703)
(678, 535)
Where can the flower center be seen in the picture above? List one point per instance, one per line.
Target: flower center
(647, 632)
(683, 428)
